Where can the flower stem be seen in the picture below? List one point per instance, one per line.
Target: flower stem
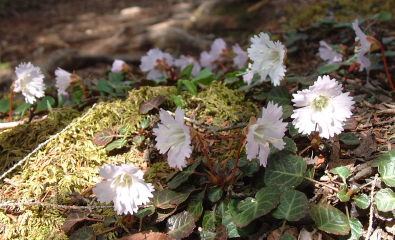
(241, 145)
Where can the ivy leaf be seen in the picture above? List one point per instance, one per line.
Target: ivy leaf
(385, 200)
(293, 206)
(180, 225)
(215, 194)
(387, 173)
(356, 228)
(166, 199)
(104, 137)
(362, 201)
(207, 235)
(349, 138)
(183, 175)
(287, 111)
(151, 104)
(330, 219)
(195, 205)
(116, 144)
(342, 194)
(328, 68)
(343, 172)
(145, 212)
(250, 209)
(285, 169)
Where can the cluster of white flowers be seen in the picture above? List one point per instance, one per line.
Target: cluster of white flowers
(268, 131)
(322, 107)
(267, 59)
(172, 136)
(63, 80)
(208, 59)
(124, 186)
(327, 53)
(364, 47)
(118, 66)
(156, 63)
(30, 81)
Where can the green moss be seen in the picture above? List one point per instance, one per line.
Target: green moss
(70, 162)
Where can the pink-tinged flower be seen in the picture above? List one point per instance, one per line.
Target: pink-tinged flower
(327, 53)
(172, 136)
(322, 107)
(267, 131)
(30, 81)
(185, 61)
(63, 81)
(363, 48)
(118, 66)
(241, 58)
(124, 186)
(155, 63)
(208, 59)
(267, 58)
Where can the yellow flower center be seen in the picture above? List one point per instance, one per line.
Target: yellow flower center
(320, 103)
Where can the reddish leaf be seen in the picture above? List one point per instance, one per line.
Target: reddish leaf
(73, 219)
(105, 137)
(151, 104)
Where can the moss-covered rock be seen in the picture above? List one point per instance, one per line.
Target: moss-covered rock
(69, 163)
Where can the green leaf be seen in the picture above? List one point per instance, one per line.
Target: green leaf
(356, 228)
(250, 209)
(287, 236)
(20, 110)
(388, 157)
(290, 145)
(190, 86)
(4, 105)
(278, 95)
(385, 200)
(183, 175)
(145, 123)
(287, 111)
(362, 200)
(195, 205)
(186, 72)
(166, 199)
(204, 77)
(104, 137)
(43, 104)
(209, 220)
(84, 233)
(330, 219)
(227, 221)
(104, 86)
(342, 194)
(207, 235)
(215, 194)
(285, 169)
(328, 68)
(248, 167)
(349, 138)
(343, 172)
(116, 144)
(180, 225)
(145, 212)
(292, 130)
(293, 206)
(177, 101)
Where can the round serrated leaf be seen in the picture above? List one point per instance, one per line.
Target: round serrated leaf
(342, 171)
(166, 199)
(250, 209)
(384, 159)
(356, 228)
(385, 200)
(195, 205)
(293, 206)
(349, 138)
(183, 175)
(285, 169)
(215, 194)
(209, 220)
(180, 225)
(362, 201)
(330, 219)
(387, 173)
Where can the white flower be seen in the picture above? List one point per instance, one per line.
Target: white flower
(117, 66)
(327, 53)
(155, 63)
(363, 48)
(322, 107)
(267, 58)
(124, 186)
(268, 130)
(63, 80)
(30, 81)
(184, 62)
(241, 57)
(208, 59)
(173, 136)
